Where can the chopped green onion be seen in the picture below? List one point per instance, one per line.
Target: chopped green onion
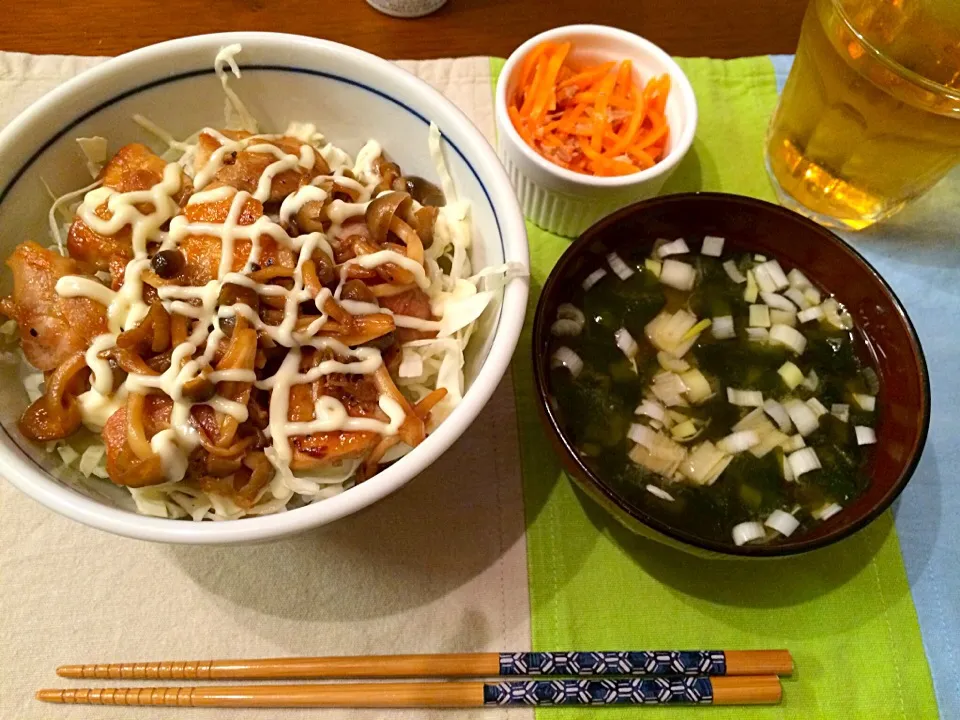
(712, 246)
(697, 329)
(641, 434)
(744, 398)
(841, 412)
(789, 337)
(671, 363)
(566, 311)
(747, 532)
(759, 258)
(777, 301)
(622, 270)
(793, 443)
(778, 414)
(566, 358)
(827, 511)
(818, 407)
(773, 438)
(791, 375)
(812, 381)
(593, 278)
(803, 461)
(678, 274)
(812, 295)
(684, 430)
(669, 389)
(783, 317)
(677, 247)
(750, 294)
(865, 435)
(797, 297)
(730, 267)
(723, 328)
(797, 279)
(783, 522)
(653, 266)
(810, 314)
(698, 388)
(68, 454)
(867, 403)
(785, 469)
(738, 442)
(657, 492)
(652, 409)
(628, 346)
(666, 332)
(753, 420)
(565, 328)
(803, 417)
(775, 273)
(758, 335)
(759, 316)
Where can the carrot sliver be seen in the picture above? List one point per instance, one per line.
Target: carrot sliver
(587, 76)
(624, 77)
(600, 122)
(596, 119)
(544, 94)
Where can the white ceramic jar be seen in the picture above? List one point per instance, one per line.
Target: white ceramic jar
(565, 202)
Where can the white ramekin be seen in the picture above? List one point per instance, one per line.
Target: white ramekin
(562, 201)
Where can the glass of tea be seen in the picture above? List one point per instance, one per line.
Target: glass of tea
(869, 118)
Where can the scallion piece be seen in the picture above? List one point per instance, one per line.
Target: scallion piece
(738, 442)
(865, 435)
(565, 328)
(867, 403)
(567, 358)
(658, 492)
(593, 278)
(777, 301)
(797, 297)
(628, 346)
(723, 328)
(744, 398)
(698, 387)
(803, 461)
(750, 293)
(783, 317)
(758, 335)
(733, 272)
(677, 247)
(747, 532)
(653, 266)
(778, 414)
(790, 374)
(619, 267)
(712, 246)
(793, 443)
(759, 316)
(812, 381)
(789, 337)
(840, 411)
(804, 419)
(810, 314)
(827, 511)
(783, 522)
(818, 407)
(567, 311)
(678, 274)
(652, 409)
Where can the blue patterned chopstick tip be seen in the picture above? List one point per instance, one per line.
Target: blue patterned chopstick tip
(639, 663)
(626, 691)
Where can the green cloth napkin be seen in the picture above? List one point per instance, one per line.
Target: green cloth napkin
(845, 612)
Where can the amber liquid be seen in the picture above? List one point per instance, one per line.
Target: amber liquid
(855, 136)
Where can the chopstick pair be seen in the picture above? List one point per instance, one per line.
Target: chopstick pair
(659, 677)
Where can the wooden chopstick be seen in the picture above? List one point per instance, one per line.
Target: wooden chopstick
(554, 664)
(742, 690)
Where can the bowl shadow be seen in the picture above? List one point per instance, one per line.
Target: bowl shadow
(446, 527)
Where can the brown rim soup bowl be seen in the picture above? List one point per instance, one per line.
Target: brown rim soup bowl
(883, 330)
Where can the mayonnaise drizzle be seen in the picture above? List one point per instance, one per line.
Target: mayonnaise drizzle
(193, 358)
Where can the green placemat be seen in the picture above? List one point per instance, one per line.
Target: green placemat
(845, 612)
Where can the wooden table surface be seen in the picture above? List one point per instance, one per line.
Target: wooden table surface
(714, 28)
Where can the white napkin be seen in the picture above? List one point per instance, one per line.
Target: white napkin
(440, 566)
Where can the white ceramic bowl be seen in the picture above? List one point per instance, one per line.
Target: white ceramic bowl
(565, 202)
(351, 96)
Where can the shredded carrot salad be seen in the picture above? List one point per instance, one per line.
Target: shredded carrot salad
(596, 120)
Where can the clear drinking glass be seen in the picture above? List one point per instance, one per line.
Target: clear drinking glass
(869, 118)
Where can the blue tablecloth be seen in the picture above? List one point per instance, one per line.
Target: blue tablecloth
(918, 252)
